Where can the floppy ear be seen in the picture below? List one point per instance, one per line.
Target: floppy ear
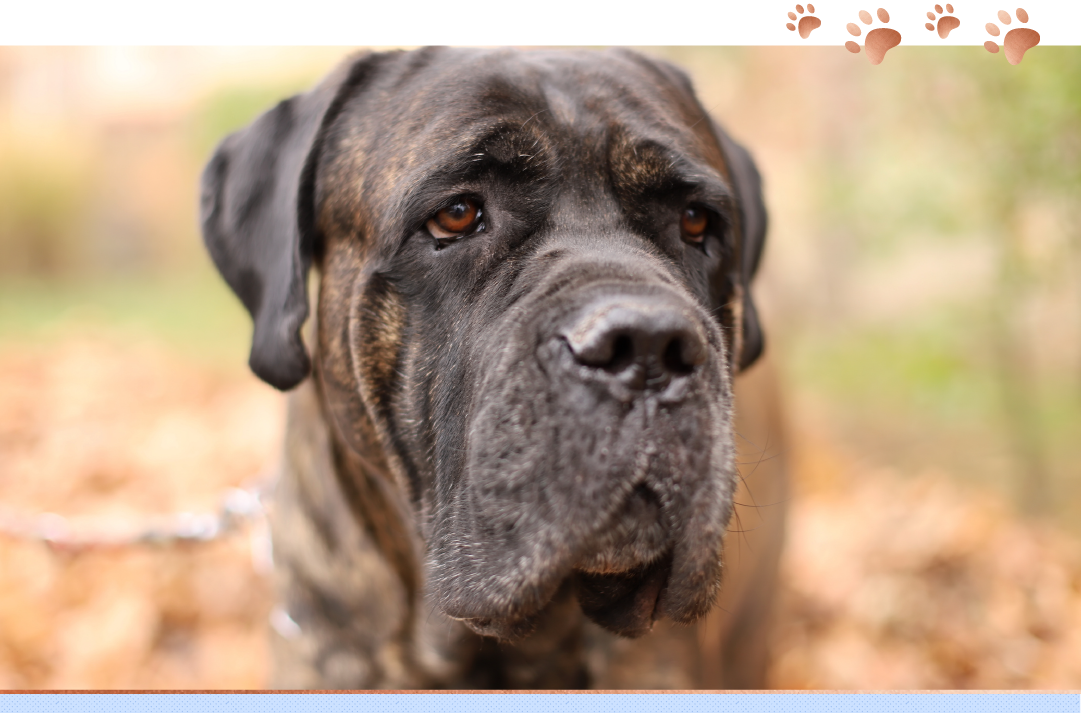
(748, 185)
(257, 211)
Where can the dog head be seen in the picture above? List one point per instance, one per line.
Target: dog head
(534, 291)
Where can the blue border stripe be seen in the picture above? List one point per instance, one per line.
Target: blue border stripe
(544, 703)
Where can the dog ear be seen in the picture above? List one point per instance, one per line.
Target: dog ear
(748, 186)
(257, 212)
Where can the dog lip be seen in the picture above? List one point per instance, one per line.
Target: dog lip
(504, 629)
(627, 603)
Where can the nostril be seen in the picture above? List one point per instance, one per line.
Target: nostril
(622, 353)
(675, 357)
(612, 351)
(645, 498)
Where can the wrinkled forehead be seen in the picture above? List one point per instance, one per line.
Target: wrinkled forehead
(435, 111)
(574, 90)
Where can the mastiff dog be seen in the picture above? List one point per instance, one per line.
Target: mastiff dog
(512, 450)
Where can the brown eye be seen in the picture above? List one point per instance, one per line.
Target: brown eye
(693, 224)
(455, 220)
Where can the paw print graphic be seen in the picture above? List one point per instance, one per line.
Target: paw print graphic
(879, 40)
(807, 24)
(946, 23)
(1017, 41)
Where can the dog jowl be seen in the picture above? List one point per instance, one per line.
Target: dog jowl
(533, 272)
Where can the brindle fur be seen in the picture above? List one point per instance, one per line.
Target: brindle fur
(434, 526)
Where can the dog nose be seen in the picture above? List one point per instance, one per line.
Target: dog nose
(644, 343)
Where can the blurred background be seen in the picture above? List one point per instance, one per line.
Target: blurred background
(921, 293)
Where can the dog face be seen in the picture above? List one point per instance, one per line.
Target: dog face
(533, 293)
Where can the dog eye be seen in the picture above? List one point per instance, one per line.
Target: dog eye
(455, 220)
(693, 224)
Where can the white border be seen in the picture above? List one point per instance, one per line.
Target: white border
(494, 22)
